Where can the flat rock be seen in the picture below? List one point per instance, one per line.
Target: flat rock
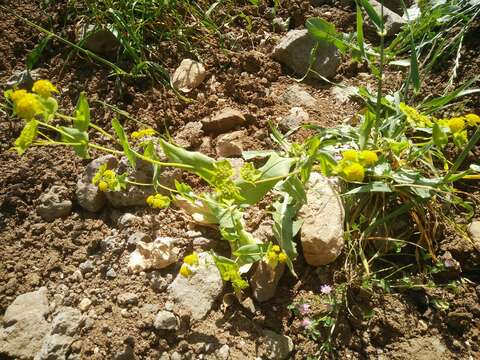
(230, 144)
(188, 75)
(54, 203)
(294, 52)
(197, 293)
(474, 230)
(296, 96)
(24, 325)
(88, 195)
(264, 280)
(223, 121)
(276, 346)
(190, 136)
(323, 217)
(99, 41)
(127, 299)
(154, 255)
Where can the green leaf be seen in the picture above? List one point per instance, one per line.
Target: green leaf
(36, 53)
(248, 155)
(251, 253)
(284, 228)
(322, 30)
(414, 72)
(75, 136)
(372, 14)
(82, 113)
(123, 140)
(360, 38)
(27, 136)
(50, 107)
(276, 166)
(440, 137)
(366, 128)
(202, 165)
(293, 186)
(377, 186)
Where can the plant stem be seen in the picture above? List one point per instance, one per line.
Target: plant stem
(380, 79)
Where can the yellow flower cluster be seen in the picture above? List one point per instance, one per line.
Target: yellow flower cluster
(158, 201)
(414, 117)
(44, 88)
(353, 163)
(28, 105)
(142, 133)
(190, 262)
(275, 255)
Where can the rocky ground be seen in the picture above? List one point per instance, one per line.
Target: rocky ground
(68, 288)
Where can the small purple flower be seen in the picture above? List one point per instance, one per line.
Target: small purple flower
(449, 263)
(306, 323)
(303, 309)
(326, 289)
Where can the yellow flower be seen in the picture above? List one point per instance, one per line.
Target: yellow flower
(456, 124)
(368, 157)
(276, 248)
(185, 270)
(414, 117)
(44, 88)
(150, 200)
(350, 155)
(472, 119)
(103, 186)
(354, 172)
(191, 259)
(158, 201)
(17, 95)
(282, 257)
(28, 106)
(272, 256)
(142, 133)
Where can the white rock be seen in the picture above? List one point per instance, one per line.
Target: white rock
(197, 293)
(323, 217)
(188, 75)
(294, 52)
(165, 320)
(474, 231)
(277, 347)
(392, 21)
(84, 304)
(155, 255)
(296, 117)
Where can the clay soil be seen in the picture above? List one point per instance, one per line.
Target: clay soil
(33, 253)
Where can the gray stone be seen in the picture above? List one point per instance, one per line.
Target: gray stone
(109, 243)
(323, 216)
(127, 220)
(203, 244)
(223, 121)
(99, 41)
(392, 21)
(84, 304)
(86, 266)
(111, 274)
(188, 75)
(296, 96)
(127, 299)
(64, 329)
(277, 347)
(176, 356)
(25, 325)
(296, 117)
(135, 238)
(230, 144)
(54, 203)
(264, 280)
(294, 52)
(88, 195)
(165, 320)
(197, 293)
(22, 79)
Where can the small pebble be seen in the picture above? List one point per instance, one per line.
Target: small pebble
(84, 305)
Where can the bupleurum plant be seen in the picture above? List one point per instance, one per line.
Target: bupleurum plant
(391, 168)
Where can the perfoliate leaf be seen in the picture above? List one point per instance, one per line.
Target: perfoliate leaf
(81, 120)
(75, 136)
(123, 140)
(202, 165)
(275, 167)
(50, 107)
(27, 136)
(440, 137)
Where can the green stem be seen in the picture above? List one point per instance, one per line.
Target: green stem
(93, 126)
(380, 79)
(102, 148)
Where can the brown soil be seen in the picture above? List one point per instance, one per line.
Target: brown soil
(33, 253)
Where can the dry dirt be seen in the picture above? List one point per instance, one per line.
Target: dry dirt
(33, 253)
